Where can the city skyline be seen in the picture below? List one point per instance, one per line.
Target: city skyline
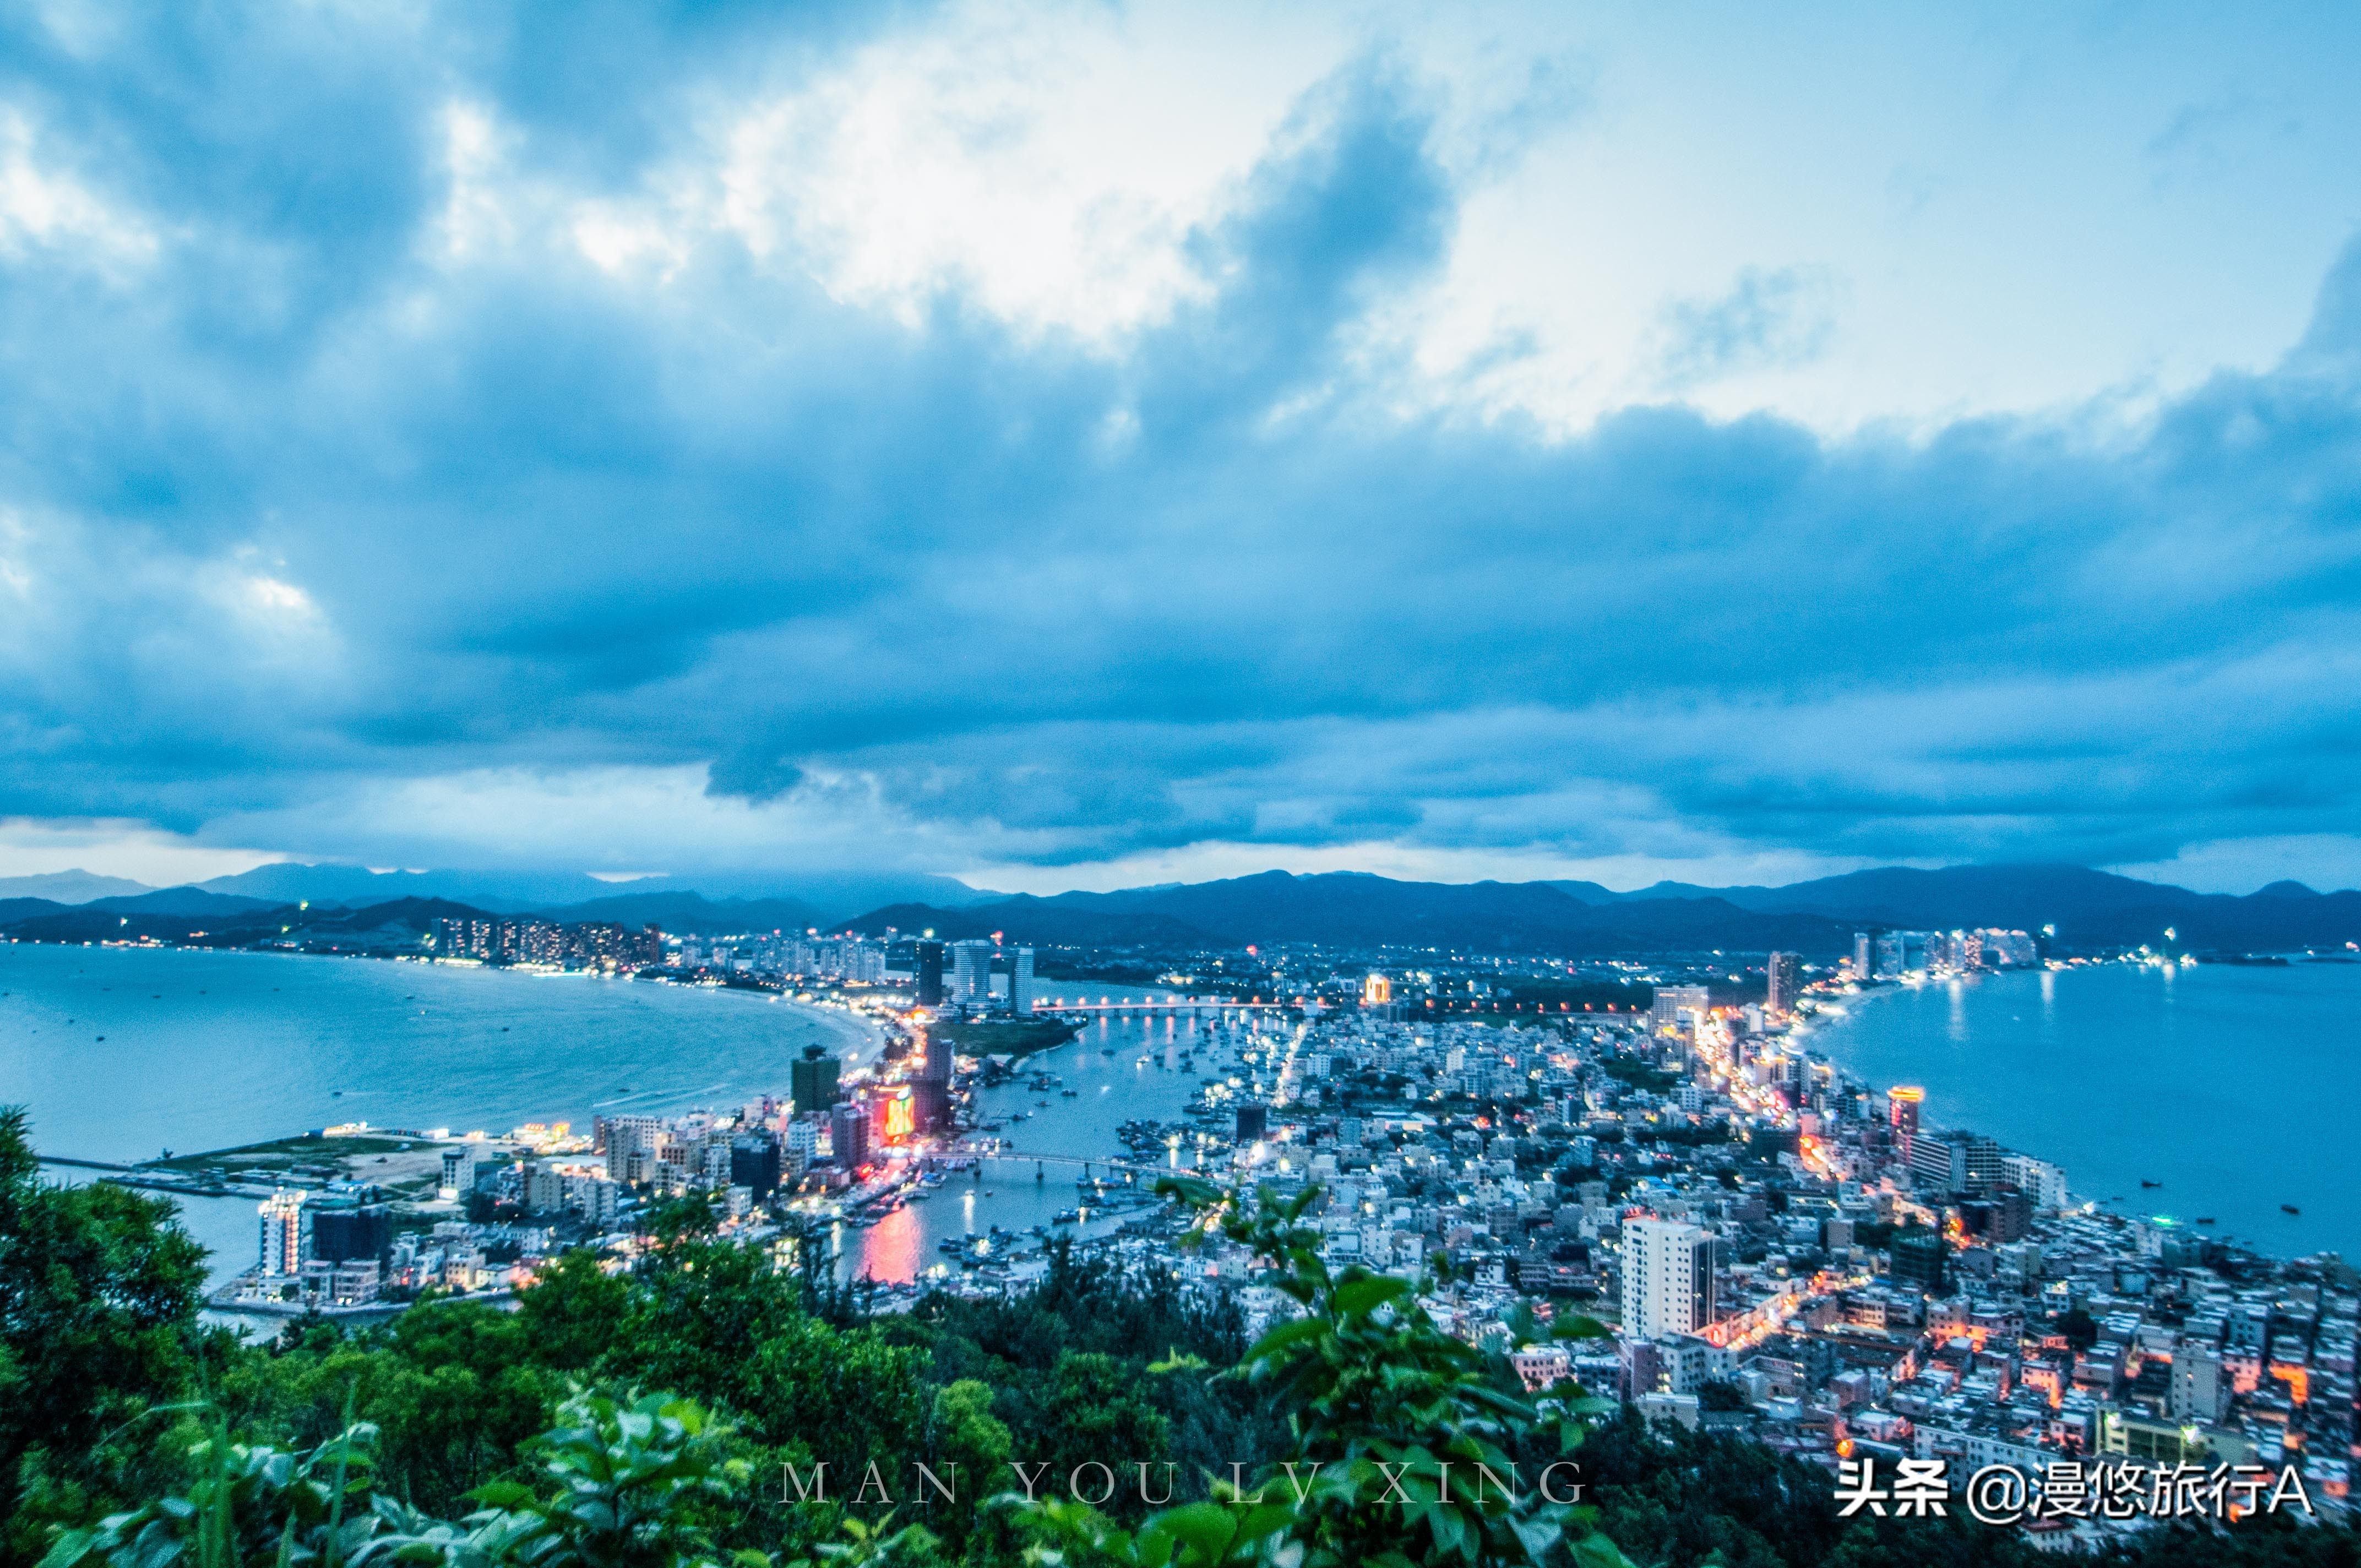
(1088, 448)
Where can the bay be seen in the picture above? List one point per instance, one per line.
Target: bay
(120, 1054)
(2234, 1086)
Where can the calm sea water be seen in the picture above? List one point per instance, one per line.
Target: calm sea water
(2235, 1087)
(207, 1050)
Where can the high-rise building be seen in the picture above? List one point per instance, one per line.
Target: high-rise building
(847, 1132)
(2196, 1388)
(2043, 1184)
(1020, 982)
(755, 1165)
(344, 1235)
(1958, 1162)
(1671, 1001)
(624, 1140)
(930, 1104)
(930, 974)
(1787, 977)
(286, 1233)
(1254, 1120)
(1902, 1105)
(803, 1142)
(458, 1174)
(1864, 956)
(970, 973)
(544, 1189)
(1918, 1257)
(812, 1078)
(1667, 1279)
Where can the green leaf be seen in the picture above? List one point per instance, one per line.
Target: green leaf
(1286, 1335)
(1359, 1297)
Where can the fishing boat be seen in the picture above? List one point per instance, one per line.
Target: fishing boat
(2289, 1209)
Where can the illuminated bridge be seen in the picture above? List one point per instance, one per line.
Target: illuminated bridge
(962, 1160)
(1189, 1007)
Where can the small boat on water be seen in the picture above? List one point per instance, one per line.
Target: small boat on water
(2289, 1209)
(2145, 1182)
(2205, 1220)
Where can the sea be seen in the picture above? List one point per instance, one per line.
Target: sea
(122, 1054)
(2233, 1089)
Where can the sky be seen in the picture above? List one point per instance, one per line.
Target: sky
(1085, 446)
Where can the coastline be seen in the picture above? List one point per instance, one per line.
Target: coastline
(2161, 1092)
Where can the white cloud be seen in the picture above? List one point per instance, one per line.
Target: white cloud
(117, 848)
(46, 208)
(1046, 165)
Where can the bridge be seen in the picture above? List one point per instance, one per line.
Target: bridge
(1191, 1006)
(964, 1159)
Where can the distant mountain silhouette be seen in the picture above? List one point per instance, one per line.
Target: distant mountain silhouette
(69, 887)
(1347, 909)
(181, 901)
(2089, 909)
(692, 911)
(1024, 918)
(517, 891)
(1352, 909)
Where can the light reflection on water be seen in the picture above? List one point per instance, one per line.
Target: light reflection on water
(1119, 1069)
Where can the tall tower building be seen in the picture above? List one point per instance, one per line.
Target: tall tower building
(1020, 982)
(458, 1174)
(812, 1080)
(1667, 1279)
(848, 1135)
(1787, 972)
(930, 974)
(972, 973)
(1864, 956)
(1902, 1105)
(286, 1230)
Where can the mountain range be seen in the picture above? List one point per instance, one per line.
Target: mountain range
(503, 892)
(2086, 908)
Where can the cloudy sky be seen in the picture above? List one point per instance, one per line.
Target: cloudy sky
(1077, 445)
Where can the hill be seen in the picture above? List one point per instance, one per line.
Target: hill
(2087, 909)
(1351, 909)
(68, 887)
(692, 911)
(1035, 921)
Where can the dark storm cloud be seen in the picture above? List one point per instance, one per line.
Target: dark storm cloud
(296, 504)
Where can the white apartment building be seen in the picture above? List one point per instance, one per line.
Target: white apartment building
(1667, 1279)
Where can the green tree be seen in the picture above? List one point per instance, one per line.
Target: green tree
(99, 1294)
(1399, 1441)
(969, 1436)
(574, 1312)
(622, 1483)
